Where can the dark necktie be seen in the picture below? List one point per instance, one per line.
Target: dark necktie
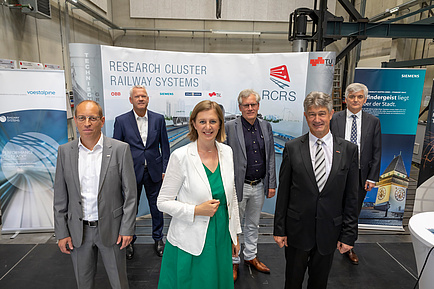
(353, 137)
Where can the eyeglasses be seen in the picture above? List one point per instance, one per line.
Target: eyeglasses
(92, 118)
(247, 105)
(359, 96)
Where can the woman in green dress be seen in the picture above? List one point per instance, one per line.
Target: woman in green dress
(198, 191)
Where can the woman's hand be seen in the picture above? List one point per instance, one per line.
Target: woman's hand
(236, 248)
(207, 208)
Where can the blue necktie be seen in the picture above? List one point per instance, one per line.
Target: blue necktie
(353, 137)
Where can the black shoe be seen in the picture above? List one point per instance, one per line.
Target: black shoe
(130, 251)
(159, 248)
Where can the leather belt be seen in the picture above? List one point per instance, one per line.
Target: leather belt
(253, 183)
(92, 224)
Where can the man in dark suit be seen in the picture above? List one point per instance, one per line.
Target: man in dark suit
(94, 199)
(145, 132)
(364, 130)
(316, 208)
(252, 142)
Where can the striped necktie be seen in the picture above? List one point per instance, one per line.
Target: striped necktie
(320, 168)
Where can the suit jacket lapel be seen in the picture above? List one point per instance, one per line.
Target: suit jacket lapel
(105, 160)
(306, 158)
(364, 130)
(133, 125)
(74, 164)
(263, 127)
(192, 150)
(240, 135)
(151, 120)
(337, 156)
(342, 122)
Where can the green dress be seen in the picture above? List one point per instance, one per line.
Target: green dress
(213, 267)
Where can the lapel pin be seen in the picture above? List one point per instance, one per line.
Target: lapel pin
(338, 152)
(108, 156)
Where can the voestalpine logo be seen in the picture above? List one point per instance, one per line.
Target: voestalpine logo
(279, 75)
(320, 60)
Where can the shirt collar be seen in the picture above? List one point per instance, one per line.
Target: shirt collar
(327, 139)
(247, 124)
(349, 114)
(97, 145)
(136, 116)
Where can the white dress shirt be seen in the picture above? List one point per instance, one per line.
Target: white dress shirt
(327, 146)
(142, 125)
(89, 170)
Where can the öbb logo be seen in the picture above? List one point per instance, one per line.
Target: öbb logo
(115, 93)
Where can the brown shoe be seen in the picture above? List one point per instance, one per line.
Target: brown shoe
(235, 271)
(258, 265)
(353, 257)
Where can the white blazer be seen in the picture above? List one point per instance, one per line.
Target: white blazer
(186, 185)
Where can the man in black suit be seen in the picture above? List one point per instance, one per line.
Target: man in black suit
(364, 130)
(316, 208)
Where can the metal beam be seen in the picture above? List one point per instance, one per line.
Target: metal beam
(337, 30)
(347, 49)
(408, 63)
(429, 20)
(395, 9)
(351, 10)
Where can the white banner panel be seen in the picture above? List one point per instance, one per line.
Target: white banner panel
(32, 126)
(177, 81)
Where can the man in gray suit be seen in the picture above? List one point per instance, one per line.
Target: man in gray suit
(95, 199)
(252, 142)
(364, 130)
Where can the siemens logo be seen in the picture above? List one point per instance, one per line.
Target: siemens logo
(410, 75)
(41, 92)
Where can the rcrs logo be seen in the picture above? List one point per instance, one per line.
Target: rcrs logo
(279, 75)
(321, 61)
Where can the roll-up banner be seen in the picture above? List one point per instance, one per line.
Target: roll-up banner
(394, 97)
(177, 81)
(32, 126)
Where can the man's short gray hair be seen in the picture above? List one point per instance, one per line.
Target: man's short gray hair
(318, 98)
(355, 87)
(136, 86)
(246, 93)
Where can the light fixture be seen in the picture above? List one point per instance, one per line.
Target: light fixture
(394, 10)
(236, 32)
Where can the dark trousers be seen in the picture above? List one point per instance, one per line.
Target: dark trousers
(297, 261)
(152, 190)
(361, 194)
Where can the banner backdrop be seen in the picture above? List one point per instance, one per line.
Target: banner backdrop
(32, 126)
(394, 97)
(177, 81)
